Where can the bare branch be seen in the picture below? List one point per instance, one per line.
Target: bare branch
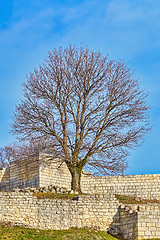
(90, 105)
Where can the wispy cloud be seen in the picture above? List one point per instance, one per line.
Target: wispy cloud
(125, 29)
(135, 21)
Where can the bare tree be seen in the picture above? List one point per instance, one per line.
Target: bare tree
(6, 156)
(91, 107)
(28, 150)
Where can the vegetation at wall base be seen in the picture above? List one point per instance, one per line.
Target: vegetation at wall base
(21, 233)
(134, 200)
(41, 195)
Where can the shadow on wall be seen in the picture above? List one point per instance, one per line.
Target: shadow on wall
(124, 224)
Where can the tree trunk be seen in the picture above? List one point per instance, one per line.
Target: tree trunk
(76, 172)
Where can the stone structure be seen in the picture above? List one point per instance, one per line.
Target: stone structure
(98, 208)
(39, 173)
(88, 211)
(137, 222)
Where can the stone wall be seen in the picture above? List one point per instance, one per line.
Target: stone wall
(2, 171)
(149, 221)
(127, 223)
(92, 211)
(146, 186)
(97, 209)
(137, 221)
(4, 179)
(100, 212)
(54, 173)
(38, 174)
(24, 173)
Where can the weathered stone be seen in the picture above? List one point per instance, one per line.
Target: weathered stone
(99, 209)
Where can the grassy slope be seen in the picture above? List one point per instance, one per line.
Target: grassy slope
(19, 233)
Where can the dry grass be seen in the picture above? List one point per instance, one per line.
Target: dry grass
(49, 195)
(134, 200)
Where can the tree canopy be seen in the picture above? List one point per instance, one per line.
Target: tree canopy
(91, 107)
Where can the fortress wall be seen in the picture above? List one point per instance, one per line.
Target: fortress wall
(149, 221)
(128, 223)
(4, 179)
(100, 212)
(24, 173)
(91, 211)
(2, 171)
(56, 174)
(97, 209)
(143, 223)
(36, 173)
(144, 186)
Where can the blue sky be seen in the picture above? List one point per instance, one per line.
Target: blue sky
(125, 29)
